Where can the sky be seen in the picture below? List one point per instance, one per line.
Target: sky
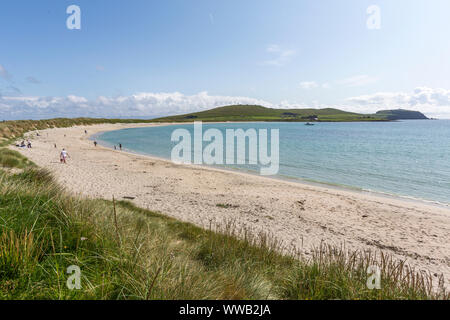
(148, 58)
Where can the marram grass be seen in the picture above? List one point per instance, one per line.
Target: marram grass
(125, 252)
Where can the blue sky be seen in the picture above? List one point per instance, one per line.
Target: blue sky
(145, 58)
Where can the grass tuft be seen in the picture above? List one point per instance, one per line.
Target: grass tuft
(125, 252)
(12, 159)
(19, 254)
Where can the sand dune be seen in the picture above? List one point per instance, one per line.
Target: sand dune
(298, 214)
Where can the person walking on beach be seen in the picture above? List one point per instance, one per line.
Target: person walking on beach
(95, 143)
(63, 156)
(120, 146)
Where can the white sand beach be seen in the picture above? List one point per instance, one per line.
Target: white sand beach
(300, 215)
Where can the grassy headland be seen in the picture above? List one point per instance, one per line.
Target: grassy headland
(259, 113)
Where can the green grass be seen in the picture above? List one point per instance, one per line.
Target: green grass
(12, 159)
(14, 129)
(401, 114)
(259, 113)
(132, 253)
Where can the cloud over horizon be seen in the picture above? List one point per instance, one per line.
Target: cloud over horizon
(432, 102)
(138, 105)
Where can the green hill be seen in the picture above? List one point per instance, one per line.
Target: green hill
(260, 113)
(401, 114)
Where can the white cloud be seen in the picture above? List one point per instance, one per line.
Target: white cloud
(282, 56)
(141, 105)
(358, 81)
(432, 102)
(75, 99)
(307, 85)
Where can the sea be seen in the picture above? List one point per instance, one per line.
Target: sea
(409, 159)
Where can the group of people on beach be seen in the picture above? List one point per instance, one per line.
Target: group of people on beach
(24, 145)
(64, 155)
(115, 147)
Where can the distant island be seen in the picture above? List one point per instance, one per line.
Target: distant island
(260, 113)
(401, 114)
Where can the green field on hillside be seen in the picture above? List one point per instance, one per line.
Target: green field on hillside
(259, 113)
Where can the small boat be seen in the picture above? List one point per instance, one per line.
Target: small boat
(309, 124)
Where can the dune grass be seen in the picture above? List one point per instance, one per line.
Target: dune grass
(125, 252)
(13, 159)
(15, 129)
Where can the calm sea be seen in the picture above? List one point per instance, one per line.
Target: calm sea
(405, 158)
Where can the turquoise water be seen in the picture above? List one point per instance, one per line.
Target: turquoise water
(406, 158)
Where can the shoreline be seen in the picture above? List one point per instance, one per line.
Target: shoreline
(300, 181)
(300, 215)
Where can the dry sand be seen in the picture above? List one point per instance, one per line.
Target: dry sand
(300, 215)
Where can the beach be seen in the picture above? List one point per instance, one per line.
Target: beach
(302, 216)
